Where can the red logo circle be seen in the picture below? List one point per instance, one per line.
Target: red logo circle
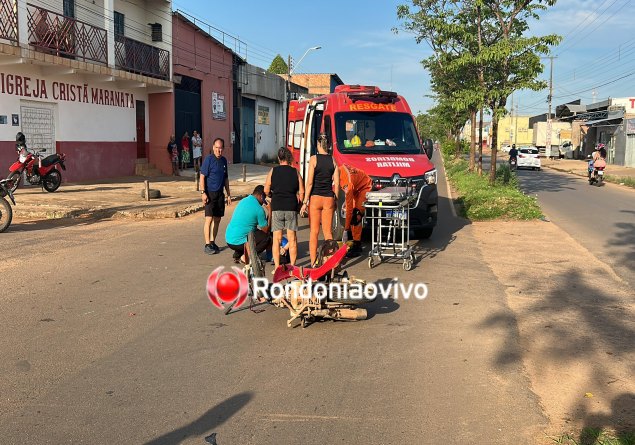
(227, 287)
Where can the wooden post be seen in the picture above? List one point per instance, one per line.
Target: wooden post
(244, 172)
(147, 186)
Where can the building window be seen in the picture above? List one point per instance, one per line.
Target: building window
(157, 32)
(69, 8)
(119, 24)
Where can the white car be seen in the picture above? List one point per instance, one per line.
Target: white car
(528, 157)
(505, 148)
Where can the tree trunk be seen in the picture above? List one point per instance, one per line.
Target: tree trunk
(472, 139)
(480, 144)
(492, 169)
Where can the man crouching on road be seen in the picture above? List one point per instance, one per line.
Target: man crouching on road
(213, 178)
(251, 213)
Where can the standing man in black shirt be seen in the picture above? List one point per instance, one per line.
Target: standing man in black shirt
(214, 178)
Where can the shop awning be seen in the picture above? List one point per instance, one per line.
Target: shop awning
(605, 121)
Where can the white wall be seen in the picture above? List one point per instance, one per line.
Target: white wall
(268, 137)
(627, 102)
(74, 120)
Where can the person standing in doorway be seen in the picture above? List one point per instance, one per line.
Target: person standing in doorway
(185, 150)
(287, 191)
(173, 152)
(323, 185)
(197, 150)
(214, 179)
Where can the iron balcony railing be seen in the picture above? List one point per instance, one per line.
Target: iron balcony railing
(65, 36)
(9, 20)
(138, 57)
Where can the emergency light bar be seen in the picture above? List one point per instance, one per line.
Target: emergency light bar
(360, 91)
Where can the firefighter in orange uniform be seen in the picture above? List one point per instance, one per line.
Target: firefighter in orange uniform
(355, 183)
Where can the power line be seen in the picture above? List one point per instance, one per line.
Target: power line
(566, 48)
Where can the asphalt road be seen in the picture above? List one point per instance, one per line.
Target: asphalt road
(108, 337)
(602, 219)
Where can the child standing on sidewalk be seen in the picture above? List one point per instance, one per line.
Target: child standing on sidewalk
(185, 153)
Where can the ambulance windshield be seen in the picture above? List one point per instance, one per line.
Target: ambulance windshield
(376, 132)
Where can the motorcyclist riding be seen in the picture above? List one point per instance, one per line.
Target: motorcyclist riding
(513, 153)
(513, 157)
(598, 159)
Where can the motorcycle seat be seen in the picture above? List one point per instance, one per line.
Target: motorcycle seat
(50, 160)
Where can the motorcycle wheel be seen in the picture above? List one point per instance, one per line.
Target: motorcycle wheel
(6, 214)
(14, 181)
(52, 181)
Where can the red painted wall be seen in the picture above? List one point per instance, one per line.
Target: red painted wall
(197, 56)
(8, 156)
(87, 161)
(161, 120)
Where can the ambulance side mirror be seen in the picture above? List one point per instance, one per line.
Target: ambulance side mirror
(428, 148)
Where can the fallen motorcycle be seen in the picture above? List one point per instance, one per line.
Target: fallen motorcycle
(301, 284)
(39, 171)
(6, 212)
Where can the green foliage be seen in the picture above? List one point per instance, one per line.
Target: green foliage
(278, 66)
(482, 52)
(481, 200)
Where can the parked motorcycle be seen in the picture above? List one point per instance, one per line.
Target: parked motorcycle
(6, 212)
(39, 171)
(596, 173)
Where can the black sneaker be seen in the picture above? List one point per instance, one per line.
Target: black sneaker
(214, 247)
(208, 249)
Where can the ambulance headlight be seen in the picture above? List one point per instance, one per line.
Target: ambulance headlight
(431, 177)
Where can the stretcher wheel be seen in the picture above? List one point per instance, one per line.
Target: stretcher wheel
(407, 265)
(371, 262)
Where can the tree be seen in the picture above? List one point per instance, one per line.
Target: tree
(480, 40)
(278, 66)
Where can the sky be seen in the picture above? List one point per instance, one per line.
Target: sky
(358, 45)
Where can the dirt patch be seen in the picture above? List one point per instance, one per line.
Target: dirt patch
(576, 319)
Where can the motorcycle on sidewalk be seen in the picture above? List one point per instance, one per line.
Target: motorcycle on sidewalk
(6, 212)
(39, 171)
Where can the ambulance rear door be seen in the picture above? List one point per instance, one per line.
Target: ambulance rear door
(312, 125)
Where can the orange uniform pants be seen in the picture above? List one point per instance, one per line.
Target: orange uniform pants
(356, 184)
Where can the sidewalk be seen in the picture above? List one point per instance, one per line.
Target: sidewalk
(121, 197)
(579, 167)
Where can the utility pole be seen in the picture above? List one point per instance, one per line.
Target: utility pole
(516, 129)
(548, 141)
(512, 134)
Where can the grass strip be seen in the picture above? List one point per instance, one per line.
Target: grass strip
(480, 201)
(622, 180)
(595, 436)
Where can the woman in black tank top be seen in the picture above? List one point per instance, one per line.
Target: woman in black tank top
(323, 185)
(286, 187)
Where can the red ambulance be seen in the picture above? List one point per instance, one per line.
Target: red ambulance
(372, 130)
